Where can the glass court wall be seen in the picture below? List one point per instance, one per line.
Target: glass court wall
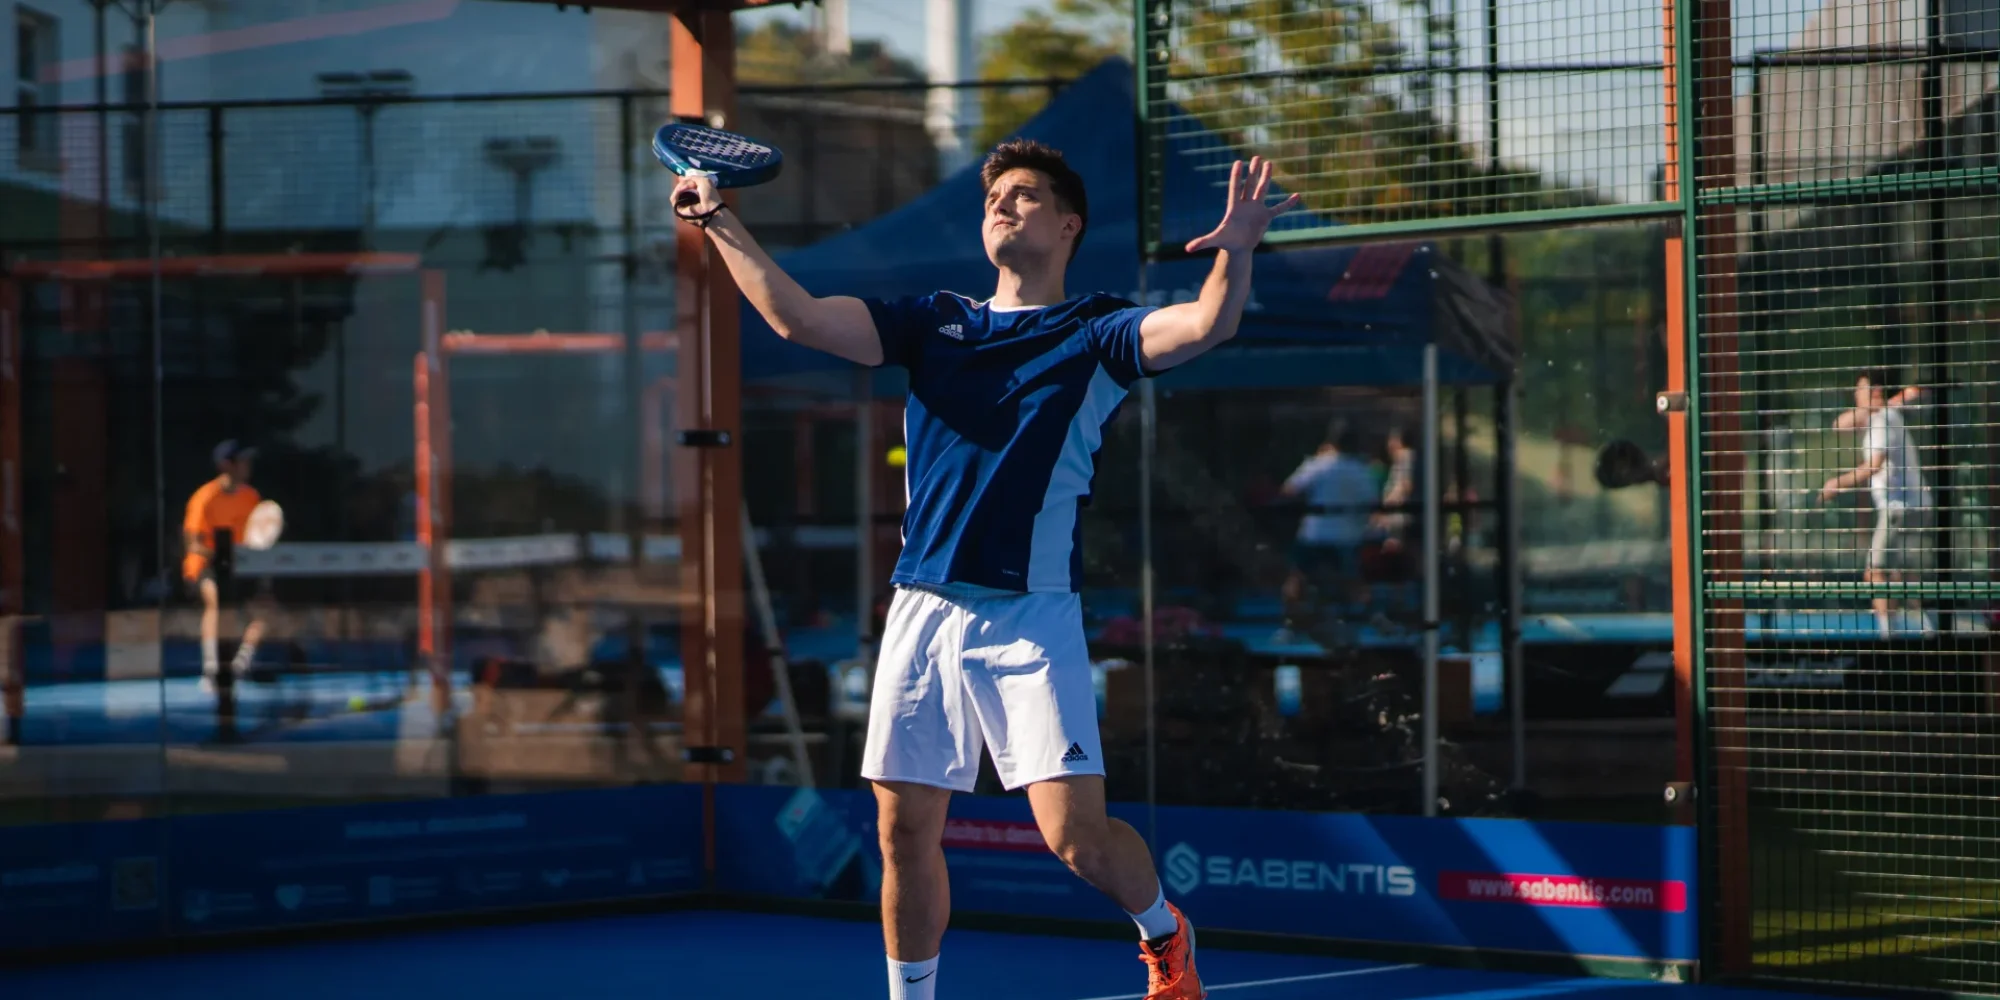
(439, 301)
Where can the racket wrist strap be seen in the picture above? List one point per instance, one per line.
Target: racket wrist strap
(701, 220)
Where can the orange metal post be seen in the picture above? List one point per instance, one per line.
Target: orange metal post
(252, 265)
(420, 379)
(544, 342)
(434, 478)
(708, 480)
(1682, 530)
(1680, 533)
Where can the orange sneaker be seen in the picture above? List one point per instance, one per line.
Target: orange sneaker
(1170, 971)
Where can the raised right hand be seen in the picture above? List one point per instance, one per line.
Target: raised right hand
(705, 196)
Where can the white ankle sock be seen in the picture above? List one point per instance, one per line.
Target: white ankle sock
(210, 665)
(1156, 921)
(913, 980)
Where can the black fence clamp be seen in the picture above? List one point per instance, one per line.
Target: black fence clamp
(709, 755)
(703, 438)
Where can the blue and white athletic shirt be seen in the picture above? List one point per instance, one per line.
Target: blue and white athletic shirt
(1005, 414)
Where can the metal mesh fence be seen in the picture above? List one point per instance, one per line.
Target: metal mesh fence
(486, 182)
(1404, 116)
(1848, 250)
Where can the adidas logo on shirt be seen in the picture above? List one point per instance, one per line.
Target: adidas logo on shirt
(955, 331)
(1075, 754)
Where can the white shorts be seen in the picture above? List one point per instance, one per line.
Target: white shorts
(1009, 670)
(1901, 538)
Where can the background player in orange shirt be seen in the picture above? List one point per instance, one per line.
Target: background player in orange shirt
(222, 503)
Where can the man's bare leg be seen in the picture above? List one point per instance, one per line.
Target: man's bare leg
(1884, 606)
(211, 628)
(246, 651)
(1105, 852)
(916, 894)
(1112, 857)
(260, 607)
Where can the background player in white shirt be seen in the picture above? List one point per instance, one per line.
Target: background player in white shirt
(984, 643)
(1893, 469)
(1339, 487)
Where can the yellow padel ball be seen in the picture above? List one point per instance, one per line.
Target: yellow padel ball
(897, 456)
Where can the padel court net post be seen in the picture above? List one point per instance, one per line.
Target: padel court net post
(79, 299)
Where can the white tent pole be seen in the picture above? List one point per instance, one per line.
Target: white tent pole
(864, 514)
(1430, 571)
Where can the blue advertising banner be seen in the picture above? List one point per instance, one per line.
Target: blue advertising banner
(79, 884)
(1608, 890)
(246, 871)
(1598, 889)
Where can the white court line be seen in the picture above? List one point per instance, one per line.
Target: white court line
(1343, 974)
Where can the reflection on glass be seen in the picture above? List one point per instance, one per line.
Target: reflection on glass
(1596, 630)
(1289, 572)
(478, 587)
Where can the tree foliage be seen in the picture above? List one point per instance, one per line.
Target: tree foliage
(1346, 105)
(783, 52)
(1064, 44)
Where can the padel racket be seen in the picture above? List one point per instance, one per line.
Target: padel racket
(267, 522)
(727, 159)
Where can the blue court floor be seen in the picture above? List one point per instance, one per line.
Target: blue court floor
(720, 955)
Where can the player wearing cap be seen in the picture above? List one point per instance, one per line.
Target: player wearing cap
(984, 643)
(221, 504)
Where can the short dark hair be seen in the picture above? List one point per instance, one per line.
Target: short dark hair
(1027, 154)
(1343, 438)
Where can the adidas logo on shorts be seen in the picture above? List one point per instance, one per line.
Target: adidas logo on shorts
(1074, 754)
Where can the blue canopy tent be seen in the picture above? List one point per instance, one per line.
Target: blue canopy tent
(1317, 316)
(1385, 314)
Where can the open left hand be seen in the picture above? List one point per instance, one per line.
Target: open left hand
(1247, 217)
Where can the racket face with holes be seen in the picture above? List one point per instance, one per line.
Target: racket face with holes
(731, 160)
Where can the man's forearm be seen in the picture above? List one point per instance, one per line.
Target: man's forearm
(1223, 295)
(1853, 477)
(1179, 332)
(780, 300)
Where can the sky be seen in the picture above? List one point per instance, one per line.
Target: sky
(900, 23)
